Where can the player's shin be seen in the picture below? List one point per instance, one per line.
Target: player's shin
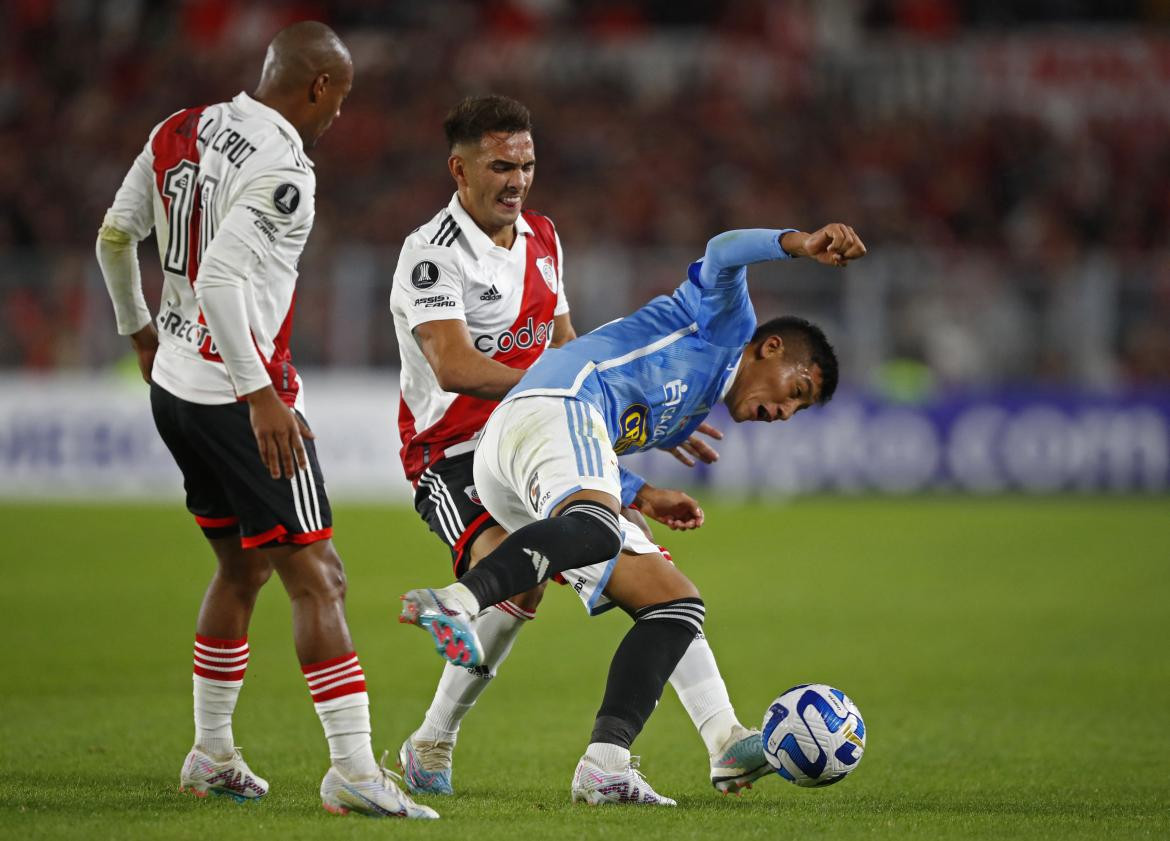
(700, 688)
(459, 688)
(216, 683)
(584, 533)
(644, 661)
(338, 689)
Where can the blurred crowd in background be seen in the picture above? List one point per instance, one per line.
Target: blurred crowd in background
(1009, 171)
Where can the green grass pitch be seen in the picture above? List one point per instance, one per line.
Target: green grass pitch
(1009, 656)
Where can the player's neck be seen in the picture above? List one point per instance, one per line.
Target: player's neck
(283, 106)
(503, 236)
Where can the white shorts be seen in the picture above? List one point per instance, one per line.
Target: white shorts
(534, 452)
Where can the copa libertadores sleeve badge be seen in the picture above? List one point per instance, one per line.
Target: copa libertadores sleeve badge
(286, 197)
(424, 275)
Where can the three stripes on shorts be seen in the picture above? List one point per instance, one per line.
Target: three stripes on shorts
(308, 507)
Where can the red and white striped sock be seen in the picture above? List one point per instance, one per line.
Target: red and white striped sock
(338, 689)
(218, 677)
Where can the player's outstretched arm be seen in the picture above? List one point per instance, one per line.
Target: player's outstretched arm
(835, 244)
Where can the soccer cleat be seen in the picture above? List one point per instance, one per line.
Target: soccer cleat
(203, 775)
(448, 622)
(377, 798)
(426, 766)
(594, 785)
(740, 763)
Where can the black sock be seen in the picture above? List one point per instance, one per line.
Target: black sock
(643, 663)
(583, 533)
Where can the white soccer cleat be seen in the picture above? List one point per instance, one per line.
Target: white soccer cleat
(448, 622)
(740, 762)
(594, 785)
(426, 766)
(379, 797)
(203, 775)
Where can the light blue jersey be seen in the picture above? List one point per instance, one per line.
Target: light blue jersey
(657, 373)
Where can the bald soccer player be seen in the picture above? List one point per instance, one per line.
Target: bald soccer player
(229, 190)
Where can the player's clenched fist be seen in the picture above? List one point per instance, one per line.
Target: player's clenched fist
(833, 245)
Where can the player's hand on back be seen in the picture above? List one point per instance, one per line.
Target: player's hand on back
(145, 343)
(696, 448)
(279, 432)
(833, 245)
(669, 507)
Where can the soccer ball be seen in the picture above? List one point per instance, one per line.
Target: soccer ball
(813, 735)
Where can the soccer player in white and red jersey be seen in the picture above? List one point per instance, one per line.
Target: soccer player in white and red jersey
(478, 295)
(230, 193)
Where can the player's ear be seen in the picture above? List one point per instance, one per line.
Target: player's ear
(317, 89)
(770, 346)
(457, 168)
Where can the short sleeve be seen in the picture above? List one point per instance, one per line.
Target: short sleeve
(429, 284)
(562, 301)
(132, 212)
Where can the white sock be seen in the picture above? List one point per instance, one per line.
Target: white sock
(338, 689)
(216, 683)
(704, 696)
(459, 687)
(464, 596)
(608, 757)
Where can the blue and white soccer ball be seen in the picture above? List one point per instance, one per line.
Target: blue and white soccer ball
(813, 735)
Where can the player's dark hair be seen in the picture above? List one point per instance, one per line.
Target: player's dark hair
(808, 340)
(476, 116)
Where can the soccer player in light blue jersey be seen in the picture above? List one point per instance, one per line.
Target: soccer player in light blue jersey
(547, 470)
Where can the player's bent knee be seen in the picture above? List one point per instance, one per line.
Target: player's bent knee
(597, 526)
(688, 612)
(531, 600)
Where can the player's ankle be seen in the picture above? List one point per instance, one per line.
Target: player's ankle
(221, 750)
(608, 757)
(464, 597)
(721, 729)
(358, 766)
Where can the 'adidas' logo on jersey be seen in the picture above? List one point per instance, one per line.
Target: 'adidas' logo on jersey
(492, 294)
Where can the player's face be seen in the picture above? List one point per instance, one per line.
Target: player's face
(770, 386)
(494, 178)
(329, 103)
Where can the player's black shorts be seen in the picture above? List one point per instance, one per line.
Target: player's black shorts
(445, 498)
(229, 489)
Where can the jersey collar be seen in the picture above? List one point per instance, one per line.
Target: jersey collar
(732, 371)
(480, 242)
(258, 109)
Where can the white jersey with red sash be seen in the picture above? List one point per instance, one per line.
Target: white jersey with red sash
(450, 269)
(198, 166)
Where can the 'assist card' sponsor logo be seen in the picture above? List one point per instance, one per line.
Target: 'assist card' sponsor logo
(434, 301)
(633, 427)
